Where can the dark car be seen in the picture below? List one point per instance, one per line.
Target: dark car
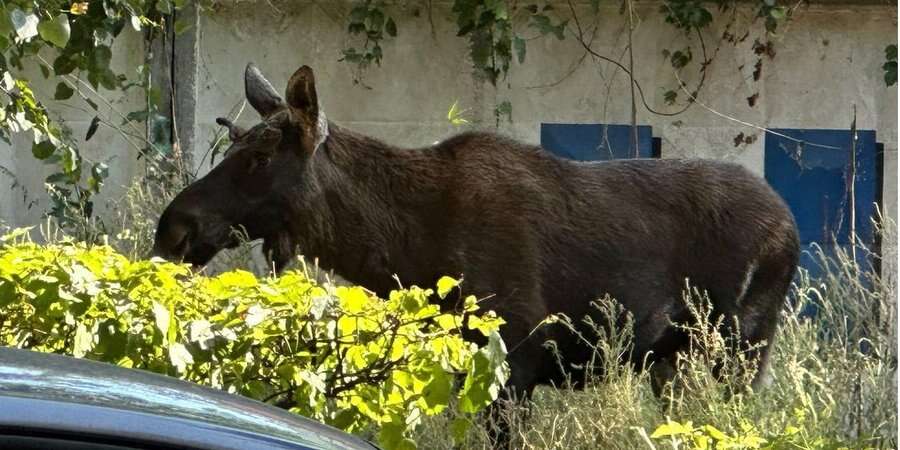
(56, 402)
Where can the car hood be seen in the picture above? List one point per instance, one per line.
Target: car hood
(37, 375)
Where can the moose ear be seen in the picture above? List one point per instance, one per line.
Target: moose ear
(260, 93)
(234, 131)
(301, 91)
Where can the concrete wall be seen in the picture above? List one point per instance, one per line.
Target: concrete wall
(823, 66)
(828, 58)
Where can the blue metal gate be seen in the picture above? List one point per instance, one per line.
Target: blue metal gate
(592, 142)
(813, 179)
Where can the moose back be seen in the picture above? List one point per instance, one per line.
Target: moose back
(535, 234)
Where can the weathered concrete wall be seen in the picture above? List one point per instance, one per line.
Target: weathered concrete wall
(823, 66)
(409, 96)
(828, 58)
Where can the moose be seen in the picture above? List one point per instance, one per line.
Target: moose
(531, 233)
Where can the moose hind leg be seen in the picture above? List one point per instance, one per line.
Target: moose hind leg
(759, 309)
(662, 372)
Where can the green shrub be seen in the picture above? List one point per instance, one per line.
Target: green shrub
(337, 354)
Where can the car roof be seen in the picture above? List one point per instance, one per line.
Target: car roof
(32, 375)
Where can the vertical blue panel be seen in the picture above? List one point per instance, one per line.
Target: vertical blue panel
(813, 181)
(592, 142)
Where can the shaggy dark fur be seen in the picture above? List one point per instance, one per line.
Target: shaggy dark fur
(542, 235)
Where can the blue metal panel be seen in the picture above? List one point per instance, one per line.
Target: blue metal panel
(592, 142)
(813, 181)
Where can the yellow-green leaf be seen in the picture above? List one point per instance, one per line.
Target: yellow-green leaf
(445, 285)
(672, 428)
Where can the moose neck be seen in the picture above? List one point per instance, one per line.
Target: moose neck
(371, 207)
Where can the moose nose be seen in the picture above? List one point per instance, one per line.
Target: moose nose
(173, 246)
(173, 235)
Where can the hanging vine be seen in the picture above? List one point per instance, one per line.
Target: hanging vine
(498, 32)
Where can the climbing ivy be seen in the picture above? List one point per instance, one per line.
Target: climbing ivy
(499, 31)
(368, 21)
(890, 65)
(489, 25)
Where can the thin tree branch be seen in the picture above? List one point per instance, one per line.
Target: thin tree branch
(748, 124)
(587, 47)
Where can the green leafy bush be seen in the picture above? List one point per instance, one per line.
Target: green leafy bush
(337, 354)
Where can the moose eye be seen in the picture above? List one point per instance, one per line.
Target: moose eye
(260, 160)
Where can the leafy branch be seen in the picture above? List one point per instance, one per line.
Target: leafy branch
(80, 36)
(369, 21)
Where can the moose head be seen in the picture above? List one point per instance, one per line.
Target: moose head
(253, 188)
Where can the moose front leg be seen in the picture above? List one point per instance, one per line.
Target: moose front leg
(527, 359)
(279, 250)
(512, 409)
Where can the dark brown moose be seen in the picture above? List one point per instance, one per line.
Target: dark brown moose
(538, 234)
